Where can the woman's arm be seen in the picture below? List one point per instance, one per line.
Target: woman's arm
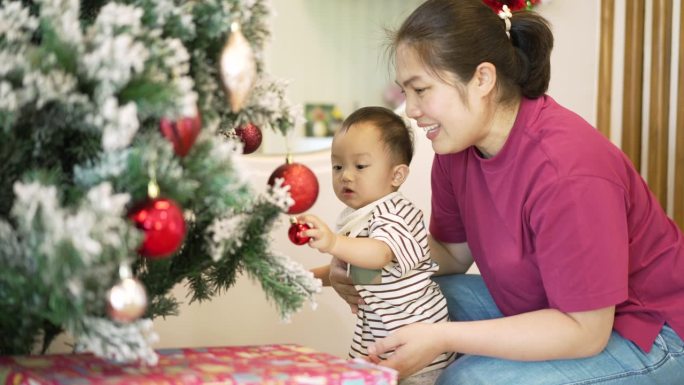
(452, 258)
(335, 275)
(322, 273)
(539, 335)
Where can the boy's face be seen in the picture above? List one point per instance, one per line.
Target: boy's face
(362, 169)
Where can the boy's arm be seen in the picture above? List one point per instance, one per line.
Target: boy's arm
(367, 253)
(361, 252)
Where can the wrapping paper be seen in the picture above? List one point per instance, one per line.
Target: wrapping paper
(244, 365)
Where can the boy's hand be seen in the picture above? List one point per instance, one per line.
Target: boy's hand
(322, 238)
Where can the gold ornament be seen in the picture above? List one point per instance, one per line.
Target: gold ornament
(127, 300)
(237, 67)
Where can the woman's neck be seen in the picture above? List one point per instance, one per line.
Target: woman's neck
(499, 128)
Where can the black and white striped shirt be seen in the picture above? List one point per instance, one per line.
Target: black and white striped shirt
(406, 294)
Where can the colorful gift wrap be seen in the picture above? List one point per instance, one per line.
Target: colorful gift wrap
(233, 365)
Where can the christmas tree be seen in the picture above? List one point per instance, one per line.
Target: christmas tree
(107, 183)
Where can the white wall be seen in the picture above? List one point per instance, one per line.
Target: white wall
(329, 51)
(243, 316)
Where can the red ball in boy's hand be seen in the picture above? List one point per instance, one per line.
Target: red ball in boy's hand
(295, 233)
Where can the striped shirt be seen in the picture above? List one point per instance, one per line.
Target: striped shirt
(406, 294)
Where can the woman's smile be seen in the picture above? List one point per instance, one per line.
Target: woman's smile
(431, 131)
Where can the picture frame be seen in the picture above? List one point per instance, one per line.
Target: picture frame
(322, 119)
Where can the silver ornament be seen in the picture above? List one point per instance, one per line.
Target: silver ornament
(127, 300)
(237, 67)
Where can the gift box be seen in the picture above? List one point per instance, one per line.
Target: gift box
(233, 365)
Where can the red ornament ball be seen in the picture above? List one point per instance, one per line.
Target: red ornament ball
(164, 226)
(182, 132)
(303, 185)
(295, 233)
(250, 135)
(513, 5)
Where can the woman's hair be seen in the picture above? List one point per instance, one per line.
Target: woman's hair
(394, 132)
(457, 35)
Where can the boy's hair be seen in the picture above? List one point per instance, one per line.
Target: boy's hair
(394, 131)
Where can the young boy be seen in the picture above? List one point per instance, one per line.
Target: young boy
(380, 235)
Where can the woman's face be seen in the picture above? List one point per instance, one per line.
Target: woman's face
(451, 120)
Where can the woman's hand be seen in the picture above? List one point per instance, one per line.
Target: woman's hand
(343, 285)
(415, 347)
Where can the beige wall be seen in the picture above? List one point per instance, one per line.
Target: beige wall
(330, 49)
(331, 53)
(242, 315)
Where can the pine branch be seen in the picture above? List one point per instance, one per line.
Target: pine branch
(161, 306)
(151, 97)
(283, 281)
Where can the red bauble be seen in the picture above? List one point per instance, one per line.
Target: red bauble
(295, 233)
(303, 185)
(182, 132)
(513, 5)
(250, 135)
(162, 221)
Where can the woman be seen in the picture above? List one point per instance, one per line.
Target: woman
(582, 272)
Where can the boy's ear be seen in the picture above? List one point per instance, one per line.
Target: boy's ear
(399, 175)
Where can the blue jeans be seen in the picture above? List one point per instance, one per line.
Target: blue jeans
(621, 362)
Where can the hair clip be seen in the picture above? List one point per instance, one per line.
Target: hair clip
(505, 14)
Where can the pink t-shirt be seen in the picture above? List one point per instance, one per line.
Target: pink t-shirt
(560, 218)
